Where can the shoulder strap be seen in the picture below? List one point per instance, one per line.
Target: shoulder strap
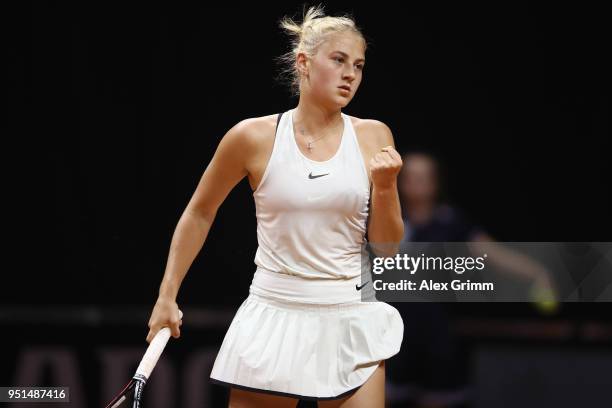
(277, 121)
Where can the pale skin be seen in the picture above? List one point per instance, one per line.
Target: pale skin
(244, 151)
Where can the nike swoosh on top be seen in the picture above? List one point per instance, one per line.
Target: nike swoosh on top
(311, 176)
(359, 287)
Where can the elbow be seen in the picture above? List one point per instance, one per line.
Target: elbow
(400, 233)
(201, 215)
(389, 246)
(385, 250)
(385, 240)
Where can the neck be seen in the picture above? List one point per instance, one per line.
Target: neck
(315, 119)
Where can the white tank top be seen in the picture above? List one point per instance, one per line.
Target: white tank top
(312, 215)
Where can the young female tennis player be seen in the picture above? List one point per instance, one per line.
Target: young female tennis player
(321, 180)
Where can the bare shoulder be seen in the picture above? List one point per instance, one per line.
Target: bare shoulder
(257, 141)
(256, 131)
(260, 125)
(248, 139)
(372, 133)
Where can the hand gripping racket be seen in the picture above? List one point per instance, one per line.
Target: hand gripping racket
(144, 368)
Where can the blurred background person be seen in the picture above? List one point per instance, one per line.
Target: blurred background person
(431, 368)
(428, 372)
(427, 217)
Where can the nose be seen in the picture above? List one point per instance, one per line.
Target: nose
(349, 74)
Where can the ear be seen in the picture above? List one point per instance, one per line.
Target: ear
(302, 63)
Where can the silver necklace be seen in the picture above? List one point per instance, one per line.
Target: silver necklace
(311, 141)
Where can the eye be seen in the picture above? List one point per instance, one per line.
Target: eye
(360, 67)
(340, 59)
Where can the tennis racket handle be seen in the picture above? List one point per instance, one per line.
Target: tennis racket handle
(154, 351)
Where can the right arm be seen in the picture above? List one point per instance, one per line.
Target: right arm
(225, 170)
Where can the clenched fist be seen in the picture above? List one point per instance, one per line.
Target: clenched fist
(384, 167)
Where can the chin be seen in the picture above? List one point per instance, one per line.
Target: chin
(334, 103)
(343, 100)
(340, 104)
(337, 102)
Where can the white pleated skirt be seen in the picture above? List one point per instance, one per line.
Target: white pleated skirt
(307, 339)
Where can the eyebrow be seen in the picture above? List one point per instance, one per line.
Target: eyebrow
(346, 55)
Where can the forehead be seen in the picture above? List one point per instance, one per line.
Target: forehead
(347, 42)
(419, 164)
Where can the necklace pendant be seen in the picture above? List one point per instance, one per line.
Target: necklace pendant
(309, 146)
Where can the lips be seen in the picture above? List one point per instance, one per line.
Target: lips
(348, 88)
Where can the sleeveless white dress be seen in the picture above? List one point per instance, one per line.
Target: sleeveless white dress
(304, 330)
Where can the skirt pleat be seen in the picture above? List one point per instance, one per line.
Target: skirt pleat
(308, 351)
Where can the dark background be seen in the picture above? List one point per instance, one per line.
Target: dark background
(123, 108)
(116, 109)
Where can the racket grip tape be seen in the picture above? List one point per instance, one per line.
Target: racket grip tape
(153, 352)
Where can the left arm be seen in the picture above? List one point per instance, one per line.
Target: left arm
(386, 227)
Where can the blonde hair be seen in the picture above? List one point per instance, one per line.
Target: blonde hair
(307, 37)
